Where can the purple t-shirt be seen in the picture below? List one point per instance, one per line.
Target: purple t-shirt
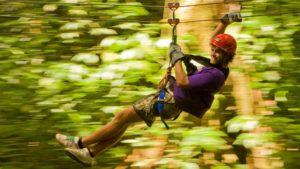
(198, 97)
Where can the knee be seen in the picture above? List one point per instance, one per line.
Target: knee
(122, 117)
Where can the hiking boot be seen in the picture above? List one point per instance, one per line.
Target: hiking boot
(80, 155)
(68, 141)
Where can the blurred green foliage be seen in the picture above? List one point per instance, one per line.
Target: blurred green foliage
(268, 46)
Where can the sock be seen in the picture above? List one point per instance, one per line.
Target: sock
(91, 154)
(80, 143)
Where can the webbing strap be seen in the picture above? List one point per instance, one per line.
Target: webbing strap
(173, 22)
(160, 106)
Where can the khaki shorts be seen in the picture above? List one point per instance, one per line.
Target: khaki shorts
(146, 107)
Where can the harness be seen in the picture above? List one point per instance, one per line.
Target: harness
(160, 105)
(162, 93)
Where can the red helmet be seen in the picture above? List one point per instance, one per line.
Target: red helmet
(225, 42)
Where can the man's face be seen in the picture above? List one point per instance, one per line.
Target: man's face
(216, 55)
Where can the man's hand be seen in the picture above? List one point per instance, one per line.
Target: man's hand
(175, 54)
(231, 17)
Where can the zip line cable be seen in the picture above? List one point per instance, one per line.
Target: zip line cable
(125, 5)
(213, 3)
(116, 20)
(56, 33)
(93, 19)
(119, 20)
(247, 16)
(125, 20)
(140, 21)
(184, 22)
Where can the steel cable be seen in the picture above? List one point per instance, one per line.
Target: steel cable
(141, 21)
(126, 5)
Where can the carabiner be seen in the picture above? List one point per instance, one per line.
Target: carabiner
(173, 22)
(173, 5)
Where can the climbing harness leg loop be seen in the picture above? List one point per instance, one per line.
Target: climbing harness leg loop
(160, 105)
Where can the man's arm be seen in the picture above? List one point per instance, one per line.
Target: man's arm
(176, 61)
(181, 77)
(219, 29)
(225, 21)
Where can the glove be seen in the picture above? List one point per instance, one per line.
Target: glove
(231, 17)
(174, 48)
(175, 54)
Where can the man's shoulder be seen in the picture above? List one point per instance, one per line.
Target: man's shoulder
(214, 72)
(198, 59)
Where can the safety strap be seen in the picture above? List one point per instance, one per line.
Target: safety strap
(160, 105)
(162, 93)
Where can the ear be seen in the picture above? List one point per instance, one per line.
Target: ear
(226, 58)
(229, 57)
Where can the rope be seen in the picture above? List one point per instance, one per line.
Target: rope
(125, 5)
(143, 21)
(64, 18)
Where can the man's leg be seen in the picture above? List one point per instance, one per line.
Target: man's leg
(105, 144)
(104, 137)
(113, 130)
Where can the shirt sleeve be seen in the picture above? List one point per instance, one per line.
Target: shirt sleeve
(210, 80)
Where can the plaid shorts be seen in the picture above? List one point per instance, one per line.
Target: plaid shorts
(146, 107)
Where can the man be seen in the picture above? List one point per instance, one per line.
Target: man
(192, 93)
